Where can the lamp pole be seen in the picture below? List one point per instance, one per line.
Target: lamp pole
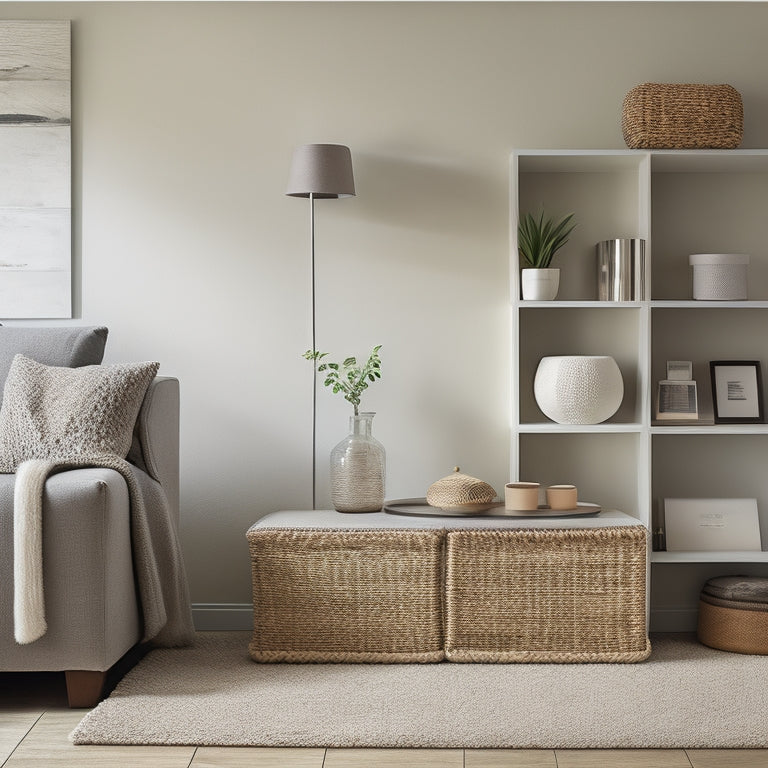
(314, 349)
(319, 171)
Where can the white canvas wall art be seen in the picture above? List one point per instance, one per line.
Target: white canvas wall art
(35, 166)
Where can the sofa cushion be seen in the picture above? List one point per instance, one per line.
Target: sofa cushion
(70, 347)
(52, 412)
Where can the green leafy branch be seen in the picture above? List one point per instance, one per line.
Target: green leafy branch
(539, 240)
(348, 377)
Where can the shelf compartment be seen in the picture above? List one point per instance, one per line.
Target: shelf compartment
(613, 331)
(702, 334)
(604, 467)
(719, 208)
(603, 192)
(676, 587)
(716, 466)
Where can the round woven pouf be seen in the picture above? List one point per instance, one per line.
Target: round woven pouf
(578, 389)
(733, 614)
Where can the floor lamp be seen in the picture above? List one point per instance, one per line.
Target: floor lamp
(319, 171)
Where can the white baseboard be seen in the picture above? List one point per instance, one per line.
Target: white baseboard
(674, 620)
(222, 617)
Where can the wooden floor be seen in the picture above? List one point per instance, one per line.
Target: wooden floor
(35, 723)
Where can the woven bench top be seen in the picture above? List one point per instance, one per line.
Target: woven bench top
(332, 520)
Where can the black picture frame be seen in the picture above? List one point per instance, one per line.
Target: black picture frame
(737, 391)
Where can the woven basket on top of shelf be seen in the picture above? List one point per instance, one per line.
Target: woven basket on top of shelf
(682, 116)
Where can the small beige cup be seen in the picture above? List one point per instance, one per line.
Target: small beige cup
(521, 496)
(561, 497)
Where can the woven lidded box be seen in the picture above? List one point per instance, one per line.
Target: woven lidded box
(682, 116)
(458, 490)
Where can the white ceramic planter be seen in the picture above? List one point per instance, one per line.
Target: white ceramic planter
(578, 389)
(540, 284)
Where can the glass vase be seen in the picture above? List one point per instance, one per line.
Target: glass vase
(358, 468)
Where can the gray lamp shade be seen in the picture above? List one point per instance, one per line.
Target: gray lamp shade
(321, 170)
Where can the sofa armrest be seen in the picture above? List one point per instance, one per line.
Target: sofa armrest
(90, 594)
(155, 446)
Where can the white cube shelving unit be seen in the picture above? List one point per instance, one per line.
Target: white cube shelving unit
(679, 202)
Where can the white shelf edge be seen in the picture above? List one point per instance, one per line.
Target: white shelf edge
(539, 428)
(696, 304)
(654, 304)
(578, 304)
(709, 160)
(549, 152)
(710, 429)
(661, 160)
(709, 557)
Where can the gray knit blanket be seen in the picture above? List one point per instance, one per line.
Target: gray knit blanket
(157, 558)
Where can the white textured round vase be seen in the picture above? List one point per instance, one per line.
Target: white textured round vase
(578, 389)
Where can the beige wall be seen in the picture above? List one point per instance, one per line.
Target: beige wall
(185, 117)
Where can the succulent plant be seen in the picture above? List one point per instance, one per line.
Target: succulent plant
(538, 239)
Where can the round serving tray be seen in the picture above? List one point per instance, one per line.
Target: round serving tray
(420, 508)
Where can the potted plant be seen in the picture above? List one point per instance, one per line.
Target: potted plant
(538, 240)
(358, 462)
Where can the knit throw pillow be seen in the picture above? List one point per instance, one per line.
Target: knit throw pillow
(51, 413)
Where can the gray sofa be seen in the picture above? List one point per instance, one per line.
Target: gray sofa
(91, 602)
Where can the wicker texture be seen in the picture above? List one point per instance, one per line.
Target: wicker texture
(733, 625)
(554, 595)
(346, 595)
(458, 490)
(682, 116)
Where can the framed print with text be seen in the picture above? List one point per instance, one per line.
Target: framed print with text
(737, 391)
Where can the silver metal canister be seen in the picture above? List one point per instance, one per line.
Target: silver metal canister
(621, 269)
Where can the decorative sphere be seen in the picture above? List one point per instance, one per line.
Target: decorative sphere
(578, 389)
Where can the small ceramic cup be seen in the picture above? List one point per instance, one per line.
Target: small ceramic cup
(561, 497)
(521, 496)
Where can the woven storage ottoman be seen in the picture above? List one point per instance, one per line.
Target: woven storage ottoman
(733, 614)
(346, 595)
(555, 595)
(682, 116)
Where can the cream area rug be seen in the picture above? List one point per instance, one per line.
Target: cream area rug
(685, 695)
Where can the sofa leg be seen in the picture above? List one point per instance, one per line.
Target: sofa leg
(84, 687)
